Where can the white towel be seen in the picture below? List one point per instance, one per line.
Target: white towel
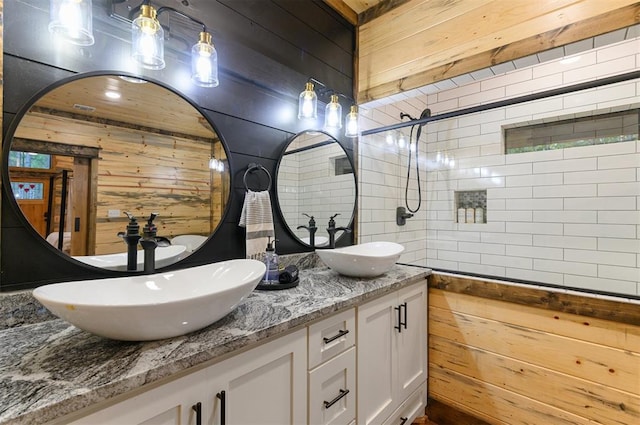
(257, 218)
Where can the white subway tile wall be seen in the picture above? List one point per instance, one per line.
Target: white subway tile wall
(567, 217)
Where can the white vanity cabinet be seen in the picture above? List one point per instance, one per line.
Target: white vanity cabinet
(265, 385)
(332, 370)
(392, 356)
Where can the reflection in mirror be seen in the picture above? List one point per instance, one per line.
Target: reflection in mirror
(94, 147)
(315, 178)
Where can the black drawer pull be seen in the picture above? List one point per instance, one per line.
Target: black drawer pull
(404, 420)
(404, 305)
(223, 401)
(340, 334)
(198, 409)
(328, 404)
(399, 327)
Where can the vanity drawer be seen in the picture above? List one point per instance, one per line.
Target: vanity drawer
(413, 407)
(331, 337)
(332, 391)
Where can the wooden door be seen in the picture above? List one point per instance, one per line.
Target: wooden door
(32, 195)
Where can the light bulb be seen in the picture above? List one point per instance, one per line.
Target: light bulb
(333, 114)
(148, 39)
(204, 62)
(308, 103)
(351, 122)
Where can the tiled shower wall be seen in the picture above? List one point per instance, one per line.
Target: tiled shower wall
(568, 217)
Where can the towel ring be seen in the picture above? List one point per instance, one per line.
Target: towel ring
(253, 167)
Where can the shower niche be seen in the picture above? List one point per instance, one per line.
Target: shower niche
(470, 206)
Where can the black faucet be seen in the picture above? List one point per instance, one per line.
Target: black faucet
(131, 238)
(150, 241)
(332, 229)
(312, 230)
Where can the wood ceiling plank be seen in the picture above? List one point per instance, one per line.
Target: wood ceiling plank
(393, 65)
(412, 18)
(345, 10)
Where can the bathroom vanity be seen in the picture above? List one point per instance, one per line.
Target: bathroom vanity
(310, 354)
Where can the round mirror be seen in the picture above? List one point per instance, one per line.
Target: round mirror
(94, 147)
(315, 178)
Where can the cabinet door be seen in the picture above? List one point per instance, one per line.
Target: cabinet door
(376, 359)
(412, 407)
(167, 404)
(268, 384)
(412, 340)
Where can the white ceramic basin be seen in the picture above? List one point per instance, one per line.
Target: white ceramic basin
(318, 241)
(363, 260)
(191, 242)
(148, 307)
(165, 255)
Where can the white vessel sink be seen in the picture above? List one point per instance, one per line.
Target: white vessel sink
(148, 307)
(165, 255)
(363, 260)
(191, 242)
(319, 241)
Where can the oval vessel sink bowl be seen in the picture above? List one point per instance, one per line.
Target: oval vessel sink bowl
(363, 260)
(165, 255)
(157, 306)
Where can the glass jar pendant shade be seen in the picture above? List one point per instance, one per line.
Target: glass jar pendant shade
(204, 62)
(333, 114)
(308, 103)
(147, 39)
(72, 20)
(351, 122)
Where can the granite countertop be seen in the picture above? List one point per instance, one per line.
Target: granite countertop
(49, 368)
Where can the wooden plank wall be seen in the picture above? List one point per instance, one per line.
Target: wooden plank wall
(507, 362)
(139, 172)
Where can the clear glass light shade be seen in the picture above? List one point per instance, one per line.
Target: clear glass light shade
(308, 103)
(333, 114)
(351, 122)
(204, 62)
(72, 20)
(147, 40)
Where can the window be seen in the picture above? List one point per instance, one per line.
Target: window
(29, 160)
(28, 190)
(342, 165)
(590, 130)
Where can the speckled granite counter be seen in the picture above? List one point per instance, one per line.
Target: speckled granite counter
(49, 368)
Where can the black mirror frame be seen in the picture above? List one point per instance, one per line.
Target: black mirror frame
(6, 181)
(286, 226)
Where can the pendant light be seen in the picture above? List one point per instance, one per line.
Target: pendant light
(204, 62)
(148, 39)
(72, 20)
(351, 122)
(308, 103)
(333, 114)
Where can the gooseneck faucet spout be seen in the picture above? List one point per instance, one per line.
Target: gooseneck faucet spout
(150, 241)
(312, 230)
(332, 229)
(131, 238)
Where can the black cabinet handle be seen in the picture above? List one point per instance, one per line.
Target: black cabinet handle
(404, 420)
(328, 404)
(223, 402)
(340, 334)
(399, 327)
(404, 306)
(198, 409)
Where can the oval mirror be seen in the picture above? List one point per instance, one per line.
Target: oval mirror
(94, 147)
(315, 178)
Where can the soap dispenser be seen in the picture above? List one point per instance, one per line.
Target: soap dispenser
(271, 276)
